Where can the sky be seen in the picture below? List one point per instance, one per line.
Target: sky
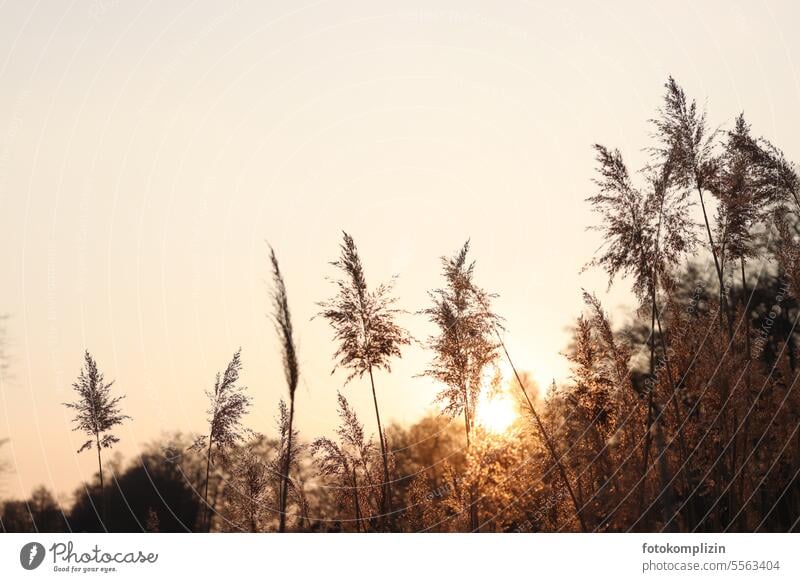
(149, 151)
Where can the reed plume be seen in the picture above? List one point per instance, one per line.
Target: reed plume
(228, 403)
(283, 325)
(97, 413)
(364, 324)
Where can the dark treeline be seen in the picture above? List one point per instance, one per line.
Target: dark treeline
(683, 417)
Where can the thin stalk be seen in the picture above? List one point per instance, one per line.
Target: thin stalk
(286, 468)
(474, 524)
(544, 433)
(542, 430)
(718, 267)
(207, 515)
(668, 499)
(386, 502)
(357, 507)
(678, 411)
(723, 299)
(647, 439)
(748, 379)
(664, 351)
(466, 418)
(102, 486)
(666, 490)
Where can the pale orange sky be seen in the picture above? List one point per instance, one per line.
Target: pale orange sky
(147, 151)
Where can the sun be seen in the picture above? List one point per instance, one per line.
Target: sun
(496, 413)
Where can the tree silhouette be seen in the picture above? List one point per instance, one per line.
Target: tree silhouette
(158, 488)
(97, 413)
(228, 404)
(368, 336)
(283, 325)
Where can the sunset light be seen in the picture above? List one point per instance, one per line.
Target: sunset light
(496, 413)
(373, 267)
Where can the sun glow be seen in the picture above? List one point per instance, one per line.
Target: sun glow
(496, 413)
